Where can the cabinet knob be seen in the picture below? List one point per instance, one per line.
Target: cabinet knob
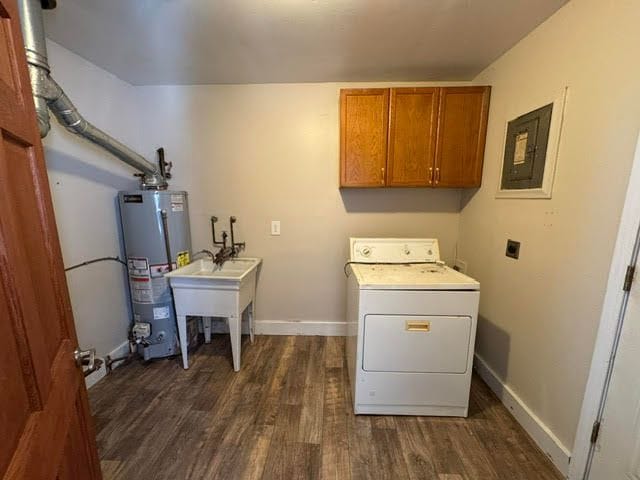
(382, 175)
(437, 180)
(430, 175)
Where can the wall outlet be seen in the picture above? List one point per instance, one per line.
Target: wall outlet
(275, 227)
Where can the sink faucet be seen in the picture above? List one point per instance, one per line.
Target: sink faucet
(223, 255)
(225, 252)
(205, 252)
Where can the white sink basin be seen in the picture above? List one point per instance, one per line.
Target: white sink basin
(203, 289)
(232, 270)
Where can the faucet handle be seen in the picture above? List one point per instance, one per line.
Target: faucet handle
(232, 219)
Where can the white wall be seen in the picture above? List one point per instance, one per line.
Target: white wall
(540, 313)
(270, 152)
(84, 181)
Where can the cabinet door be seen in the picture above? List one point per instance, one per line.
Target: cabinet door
(364, 117)
(412, 136)
(462, 128)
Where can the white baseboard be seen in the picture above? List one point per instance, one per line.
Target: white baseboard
(300, 327)
(120, 351)
(537, 430)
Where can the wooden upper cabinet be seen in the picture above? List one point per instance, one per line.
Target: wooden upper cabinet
(364, 120)
(462, 129)
(412, 136)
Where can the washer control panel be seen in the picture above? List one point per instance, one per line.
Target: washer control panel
(396, 250)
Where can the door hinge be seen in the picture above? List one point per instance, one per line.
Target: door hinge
(595, 431)
(628, 278)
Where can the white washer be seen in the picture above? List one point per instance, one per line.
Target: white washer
(411, 329)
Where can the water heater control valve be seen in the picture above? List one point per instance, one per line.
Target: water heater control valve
(141, 331)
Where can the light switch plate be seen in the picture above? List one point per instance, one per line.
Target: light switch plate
(275, 227)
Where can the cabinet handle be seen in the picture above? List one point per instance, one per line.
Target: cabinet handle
(437, 175)
(382, 175)
(430, 175)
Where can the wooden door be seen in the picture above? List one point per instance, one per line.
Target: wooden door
(45, 425)
(462, 128)
(364, 119)
(412, 136)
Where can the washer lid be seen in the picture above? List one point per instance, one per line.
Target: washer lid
(412, 277)
(396, 250)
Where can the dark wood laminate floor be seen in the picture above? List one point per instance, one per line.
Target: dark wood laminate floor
(287, 415)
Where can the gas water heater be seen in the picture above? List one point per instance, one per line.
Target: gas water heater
(157, 239)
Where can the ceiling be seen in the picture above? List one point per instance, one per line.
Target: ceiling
(146, 42)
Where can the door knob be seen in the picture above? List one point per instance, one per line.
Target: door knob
(87, 358)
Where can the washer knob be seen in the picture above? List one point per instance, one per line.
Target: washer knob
(366, 251)
(406, 250)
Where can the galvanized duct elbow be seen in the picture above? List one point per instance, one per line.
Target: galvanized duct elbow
(48, 95)
(39, 100)
(67, 114)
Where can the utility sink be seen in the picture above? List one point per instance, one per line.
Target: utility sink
(235, 270)
(204, 289)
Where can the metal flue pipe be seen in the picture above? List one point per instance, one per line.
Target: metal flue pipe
(35, 45)
(68, 116)
(48, 95)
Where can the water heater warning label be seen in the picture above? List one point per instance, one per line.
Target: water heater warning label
(158, 271)
(161, 312)
(177, 203)
(160, 285)
(182, 259)
(140, 280)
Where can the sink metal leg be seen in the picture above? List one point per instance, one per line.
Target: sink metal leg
(206, 326)
(182, 333)
(235, 333)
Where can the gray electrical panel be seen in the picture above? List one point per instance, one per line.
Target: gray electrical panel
(155, 226)
(526, 149)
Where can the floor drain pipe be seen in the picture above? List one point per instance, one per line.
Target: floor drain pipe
(48, 95)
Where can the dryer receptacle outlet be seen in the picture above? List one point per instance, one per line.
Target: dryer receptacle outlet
(513, 249)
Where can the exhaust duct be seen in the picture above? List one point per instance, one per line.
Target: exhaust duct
(48, 95)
